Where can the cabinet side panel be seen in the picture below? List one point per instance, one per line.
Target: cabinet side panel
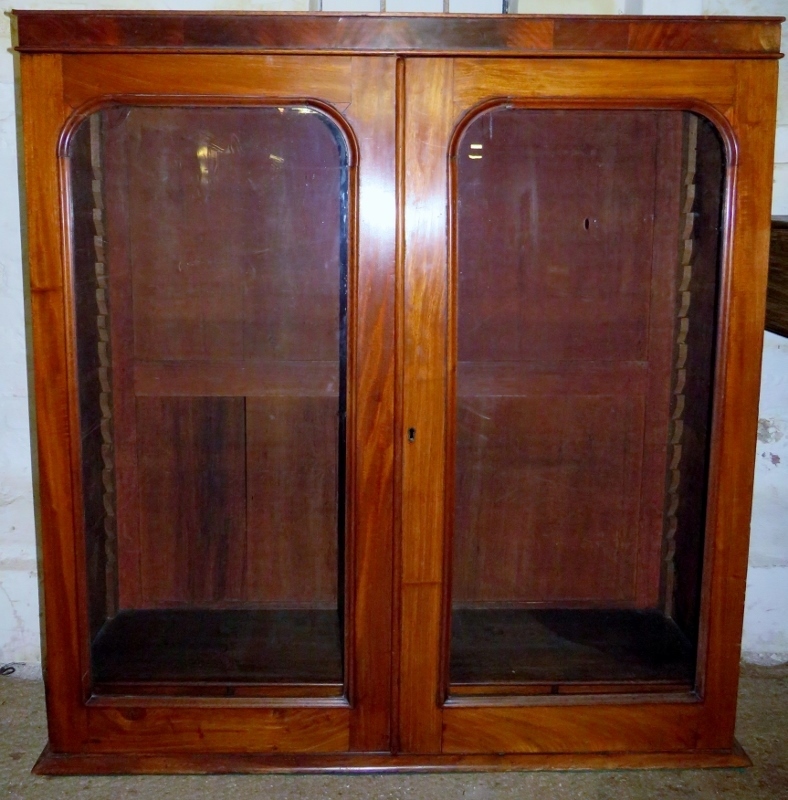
(43, 114)
(741, 340)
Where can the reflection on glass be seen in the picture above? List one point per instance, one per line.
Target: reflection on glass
(210, 264)
(587, 275)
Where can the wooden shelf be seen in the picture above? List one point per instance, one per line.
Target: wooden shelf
(568, 646)
(220, 646)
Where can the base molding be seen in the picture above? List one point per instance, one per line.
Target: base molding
(50, 763)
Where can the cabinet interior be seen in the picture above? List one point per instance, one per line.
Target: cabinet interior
(586, 262)
(211, 274)
(211, 282)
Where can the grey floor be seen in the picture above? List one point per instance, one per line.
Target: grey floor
(762, 729)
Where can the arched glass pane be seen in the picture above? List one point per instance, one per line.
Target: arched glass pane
(210, 277)
(587, 252)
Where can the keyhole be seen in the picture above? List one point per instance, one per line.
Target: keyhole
(411, 434)
(586, 223)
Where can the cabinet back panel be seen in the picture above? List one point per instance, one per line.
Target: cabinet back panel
(555, 312)
(222, 234)
(292, 493)
(547, 495)
(218, 270)
(549, 272)
(587, 260)
(192, 515)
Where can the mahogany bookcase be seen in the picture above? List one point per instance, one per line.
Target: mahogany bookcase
(396, 383)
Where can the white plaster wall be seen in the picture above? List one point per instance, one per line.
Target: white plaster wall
(766, 620)
(19, 637)
(766, 610)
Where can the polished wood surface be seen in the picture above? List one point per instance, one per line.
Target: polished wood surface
(427, 127)
(394, 709)
(740, 337)
(51, 763)
(777, 295)
(368, 128)
(57, 421)
(371, 376)
(191, 516)
(699, 37)
(475, 82)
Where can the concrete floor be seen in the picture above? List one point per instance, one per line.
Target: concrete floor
(762, 729)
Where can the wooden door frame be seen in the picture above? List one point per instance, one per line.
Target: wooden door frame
(730, 95)
(58, 92)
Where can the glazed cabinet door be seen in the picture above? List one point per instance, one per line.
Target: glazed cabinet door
(226, 296)
(573, 273)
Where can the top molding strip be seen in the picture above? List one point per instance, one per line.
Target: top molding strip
(445, 34)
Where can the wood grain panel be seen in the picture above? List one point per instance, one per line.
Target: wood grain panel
(697, 35)
(427, 127)
(666, 269)
(591, 34)
(192, 513)
(477, 79)
(87, 77)
(371, 371)
(543, 378)
(547, 499)
(561, 218)
(248, 730)
(136, 763)
(733, 454)
(43, 110)
(56, 418)
(237, 278)
(291, 547)
(562, 270)
(419, 717)
(427, 33)
(428, 123)
(576, 728)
